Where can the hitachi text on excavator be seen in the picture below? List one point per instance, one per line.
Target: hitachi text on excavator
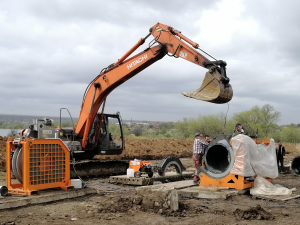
(41, 155)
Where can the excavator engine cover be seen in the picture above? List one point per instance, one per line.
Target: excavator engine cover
(213, 89)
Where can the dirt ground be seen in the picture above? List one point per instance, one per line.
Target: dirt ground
(118, 204)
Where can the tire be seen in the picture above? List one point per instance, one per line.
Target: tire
(170, 161)
(150, 174)
(137, 174)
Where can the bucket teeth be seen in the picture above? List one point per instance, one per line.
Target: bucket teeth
(212, 89)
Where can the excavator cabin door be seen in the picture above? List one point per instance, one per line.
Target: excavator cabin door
(106, 136)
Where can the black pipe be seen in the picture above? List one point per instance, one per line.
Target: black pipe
(295, 166)
(219, 157)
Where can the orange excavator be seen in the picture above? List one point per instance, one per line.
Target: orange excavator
(168, 41)
(44, 146)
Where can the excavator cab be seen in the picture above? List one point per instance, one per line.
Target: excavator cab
(106, 136)
(215, 87)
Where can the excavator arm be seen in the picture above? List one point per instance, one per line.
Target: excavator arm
(215, 88)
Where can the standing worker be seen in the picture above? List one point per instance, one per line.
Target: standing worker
(280, 152)
(198, 152)
(239, 129)
(207, 139)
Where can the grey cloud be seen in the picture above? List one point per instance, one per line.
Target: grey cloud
(50, 52)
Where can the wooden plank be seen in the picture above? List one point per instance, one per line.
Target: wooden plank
(277, 197)
(177, 184)
(169, 186)
(145, 180)
(212, 188)
(131, 180)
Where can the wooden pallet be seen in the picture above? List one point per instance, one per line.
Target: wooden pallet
(142, 181)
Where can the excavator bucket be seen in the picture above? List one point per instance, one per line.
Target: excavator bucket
(212, 89)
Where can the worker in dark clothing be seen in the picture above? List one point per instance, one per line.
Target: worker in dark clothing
(280, 152)
(239, 129)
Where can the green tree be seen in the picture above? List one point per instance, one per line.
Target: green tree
(114, 129)
(182, 128)
(12, 133)
(167, 125)
(212, 125)
(290, 134)
(262, 120)
(126, 131)
(137, 130)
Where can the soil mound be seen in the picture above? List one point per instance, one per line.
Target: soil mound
(254, 213)
(146, 149)
(149, 149)
(291, 148)
(2, 153)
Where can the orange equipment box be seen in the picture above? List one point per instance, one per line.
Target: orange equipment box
(37, 164)
(137, 164)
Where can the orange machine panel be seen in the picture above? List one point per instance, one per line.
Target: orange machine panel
(259, 141)
(136, 164)
(40, 164)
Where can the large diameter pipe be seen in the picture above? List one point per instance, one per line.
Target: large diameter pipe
(219, 157)
(295, 166)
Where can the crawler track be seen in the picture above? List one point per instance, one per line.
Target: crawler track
(97, 167)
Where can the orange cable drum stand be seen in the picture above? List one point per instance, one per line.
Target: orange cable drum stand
(232, 181)
(40, 164)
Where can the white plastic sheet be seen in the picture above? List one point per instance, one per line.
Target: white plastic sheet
(252, 159)
(264, 187)
(241, 149)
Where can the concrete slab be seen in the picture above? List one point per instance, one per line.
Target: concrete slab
(163, 195)
(197, 192)
(44, 196)
(168, 186)
(142, 181)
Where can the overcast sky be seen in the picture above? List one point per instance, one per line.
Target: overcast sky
(51, 50)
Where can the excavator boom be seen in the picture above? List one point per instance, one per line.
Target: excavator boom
(215, 88)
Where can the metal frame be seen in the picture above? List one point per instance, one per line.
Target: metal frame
(42, 168)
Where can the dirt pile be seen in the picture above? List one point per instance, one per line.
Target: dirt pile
(291, 148)
(2, 153)
(254, 213)
(135, 148)
(154, 148)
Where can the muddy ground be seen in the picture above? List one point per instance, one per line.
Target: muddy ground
(118, 204)
(121, 206)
